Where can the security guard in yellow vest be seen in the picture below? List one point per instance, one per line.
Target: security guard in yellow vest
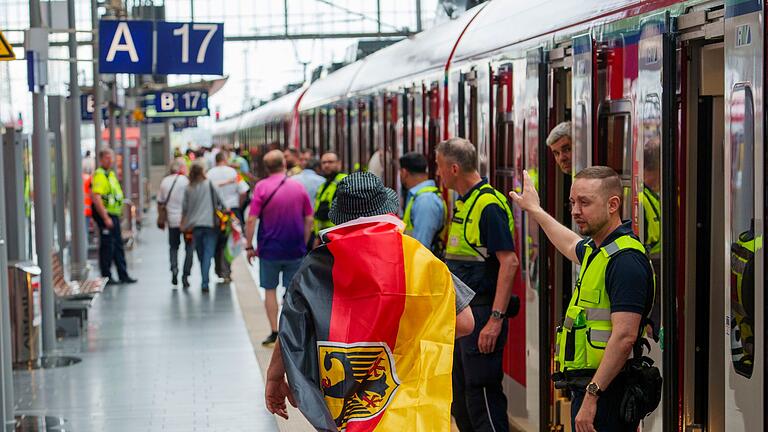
(425, 211)
(652, 212)
(612, 297)
(481, 253)
(743, 301)
(107, 208)
(330, 166)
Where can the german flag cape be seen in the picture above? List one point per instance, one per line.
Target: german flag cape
(367, 332)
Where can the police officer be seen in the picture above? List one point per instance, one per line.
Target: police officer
(481, 253)
(107, 209)
(613, 294)
(331, 167)
(424, 214)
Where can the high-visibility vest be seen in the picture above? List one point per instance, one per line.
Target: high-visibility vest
(88, 202)
(107, 185)
(437, 240)
(652, 210)
(323, 202)
(581, 340)
(742, 314)
(464, 236)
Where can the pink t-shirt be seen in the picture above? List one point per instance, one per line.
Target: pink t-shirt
(281, 222)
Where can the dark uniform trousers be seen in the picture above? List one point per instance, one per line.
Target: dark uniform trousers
(479, 403)
(111, 248)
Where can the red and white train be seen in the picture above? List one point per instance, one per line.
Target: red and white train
(669, 93)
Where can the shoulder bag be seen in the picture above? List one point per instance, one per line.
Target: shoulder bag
(162, 211)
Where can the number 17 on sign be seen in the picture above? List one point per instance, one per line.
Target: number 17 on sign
(190, 48)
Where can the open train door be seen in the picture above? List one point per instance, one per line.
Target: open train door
(745, 401)
(654, 149)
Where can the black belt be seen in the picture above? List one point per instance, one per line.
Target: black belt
(573, 379)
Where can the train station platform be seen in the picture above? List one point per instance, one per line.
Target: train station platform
(156, 358)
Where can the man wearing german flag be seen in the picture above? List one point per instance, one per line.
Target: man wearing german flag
(368, 323)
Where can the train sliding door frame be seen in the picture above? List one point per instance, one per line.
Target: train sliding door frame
(745, 400)
(655, 156)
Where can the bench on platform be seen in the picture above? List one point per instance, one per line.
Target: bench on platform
(73, 297)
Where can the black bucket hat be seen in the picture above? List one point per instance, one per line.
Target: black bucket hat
(362, 194)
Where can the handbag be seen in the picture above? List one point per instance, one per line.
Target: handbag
(642, 385)
(162, 210)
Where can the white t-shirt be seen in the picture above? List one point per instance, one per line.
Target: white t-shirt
(226, 180)
(174, 202)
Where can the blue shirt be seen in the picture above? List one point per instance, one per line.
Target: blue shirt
(311, 182)
(427, 213)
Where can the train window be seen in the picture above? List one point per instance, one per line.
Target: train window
(581, 138)
(649, 195)
(615, 144)
(744, 244)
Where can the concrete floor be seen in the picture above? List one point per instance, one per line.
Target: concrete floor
(155, 359)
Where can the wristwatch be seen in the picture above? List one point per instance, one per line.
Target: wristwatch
(249, 248)
(497, 314)
(594, 389)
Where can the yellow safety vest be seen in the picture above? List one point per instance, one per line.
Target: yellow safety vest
(323, 202)
(464, 237)
(742, 315)
(436, 242)
(107, 185)
(581, 340)
(652, 211)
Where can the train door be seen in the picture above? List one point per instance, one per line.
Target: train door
(431, 107)
(583, 95)
(558, 267)
(745, 401)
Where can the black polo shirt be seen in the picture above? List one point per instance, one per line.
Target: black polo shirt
(628, 276)
(495, 235)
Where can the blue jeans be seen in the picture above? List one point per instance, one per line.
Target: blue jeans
(204, 239)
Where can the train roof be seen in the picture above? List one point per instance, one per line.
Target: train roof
(281, 108)
(508, 22)
(428, 51)
(332, 87)
(227, 126)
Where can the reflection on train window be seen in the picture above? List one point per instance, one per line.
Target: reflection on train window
(742, 231)
(615, 145)
(581, 142)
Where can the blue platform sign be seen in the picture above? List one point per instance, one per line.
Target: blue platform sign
(169, 104)
(87, 107)
(125, 47)
(190, 48)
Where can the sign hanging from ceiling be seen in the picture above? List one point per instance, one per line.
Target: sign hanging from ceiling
(168, 104)
(170, 48)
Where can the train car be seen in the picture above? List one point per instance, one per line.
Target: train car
(669, 94)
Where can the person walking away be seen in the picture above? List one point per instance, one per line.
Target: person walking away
(481, 253)
(330, 167)
(395, 326)
(292, 160)
(172, 190)
(201, 199)
(425, 211)
(232, 189)
(610, 303)
(310, 179)
(283, 210)
(107, 198)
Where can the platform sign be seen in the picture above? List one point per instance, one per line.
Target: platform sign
(87, 105)
(125, 46)
(190, 48)
(168, 104)
(6, 51)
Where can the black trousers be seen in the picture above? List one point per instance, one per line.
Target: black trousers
(221, 266)
(111, 248)
(479, 403)
(174, 241)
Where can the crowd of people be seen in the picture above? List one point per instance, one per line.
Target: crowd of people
(292, 207)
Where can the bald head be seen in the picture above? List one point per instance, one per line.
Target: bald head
(274, 161)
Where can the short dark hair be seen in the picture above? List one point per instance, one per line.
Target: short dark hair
(313, 164)
(307, 150)
(292, 151)
(221, 156)
(611, 181)
(414, 162)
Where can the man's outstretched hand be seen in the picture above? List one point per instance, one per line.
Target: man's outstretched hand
(529, 199)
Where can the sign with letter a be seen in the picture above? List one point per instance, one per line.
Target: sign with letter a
(125, 47)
